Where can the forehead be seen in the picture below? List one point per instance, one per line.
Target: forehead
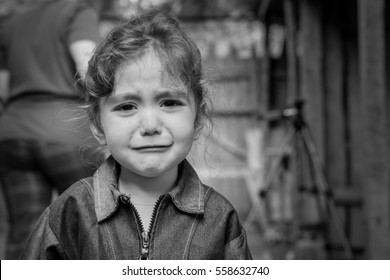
(146, 70)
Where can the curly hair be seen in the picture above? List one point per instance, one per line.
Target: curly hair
(128, 42)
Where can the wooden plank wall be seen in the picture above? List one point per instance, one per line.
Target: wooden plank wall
(311, 70)
(340, 60)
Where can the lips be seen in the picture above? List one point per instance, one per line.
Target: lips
(151, 147)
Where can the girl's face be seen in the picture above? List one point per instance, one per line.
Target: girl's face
(148, 120)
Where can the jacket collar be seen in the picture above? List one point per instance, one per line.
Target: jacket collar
(187, 195)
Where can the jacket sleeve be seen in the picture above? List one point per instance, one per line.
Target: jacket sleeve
(237, 248)
(42, 244)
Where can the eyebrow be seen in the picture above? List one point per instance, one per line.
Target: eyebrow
(125, 96)
(171, 94)
(136, 96)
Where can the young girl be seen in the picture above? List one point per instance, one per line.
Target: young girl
(146, 102)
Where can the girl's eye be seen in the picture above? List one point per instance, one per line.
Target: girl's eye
(126, 107)
(171, 103)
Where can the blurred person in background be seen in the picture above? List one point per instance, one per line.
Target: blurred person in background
(43, 50)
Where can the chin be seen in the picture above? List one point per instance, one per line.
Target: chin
(151, 171)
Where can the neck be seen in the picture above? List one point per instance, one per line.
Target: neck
(143, 187)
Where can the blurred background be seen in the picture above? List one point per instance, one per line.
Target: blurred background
(300, 143)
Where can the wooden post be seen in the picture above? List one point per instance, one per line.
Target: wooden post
(265, 70)
(335, 161)
(292, 75)
(4, 227)
(311, 83)
(355, 157)
(374, 126)
(333, 86)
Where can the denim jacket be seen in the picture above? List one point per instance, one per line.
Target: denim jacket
(94, 220)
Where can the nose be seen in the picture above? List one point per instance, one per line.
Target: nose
(150, 123)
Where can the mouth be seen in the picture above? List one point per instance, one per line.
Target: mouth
(152, 148)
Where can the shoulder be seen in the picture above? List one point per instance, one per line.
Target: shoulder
(81, 187)
(77, 198)
(71, 216)
(214, 199)
(219, 210)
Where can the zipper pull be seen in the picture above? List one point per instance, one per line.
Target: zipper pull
(145, 246)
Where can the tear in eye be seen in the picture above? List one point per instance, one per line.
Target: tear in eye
(171, 103)
(127, 107)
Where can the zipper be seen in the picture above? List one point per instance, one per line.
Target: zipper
(145, 234)
(145, 245)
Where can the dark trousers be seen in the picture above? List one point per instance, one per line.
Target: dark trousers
(29, 172)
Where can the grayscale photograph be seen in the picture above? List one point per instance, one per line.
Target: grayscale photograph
(194, 130)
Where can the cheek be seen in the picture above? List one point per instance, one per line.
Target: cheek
(184, 129)
(118, 130)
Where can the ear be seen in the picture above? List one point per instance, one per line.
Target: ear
(98, 134)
